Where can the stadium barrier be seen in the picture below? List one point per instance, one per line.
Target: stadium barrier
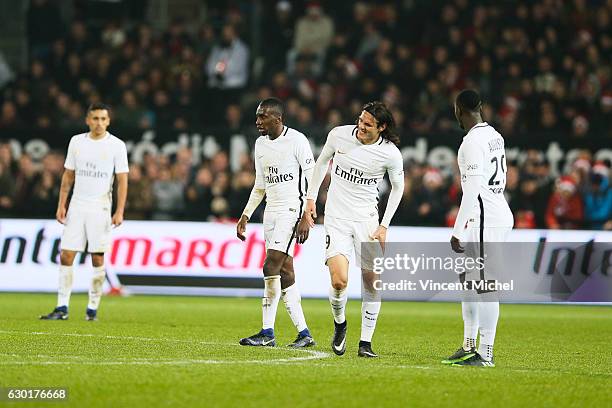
(208, 259)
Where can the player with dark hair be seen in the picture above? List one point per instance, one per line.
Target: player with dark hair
(484, 217)
(384, 117)
(94, 159)
(362, 154)
(283, 165)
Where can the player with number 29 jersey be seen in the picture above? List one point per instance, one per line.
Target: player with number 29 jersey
(482, 154)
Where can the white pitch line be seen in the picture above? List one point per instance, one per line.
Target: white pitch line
(311, 354)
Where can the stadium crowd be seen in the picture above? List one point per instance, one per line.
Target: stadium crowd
(543, 67)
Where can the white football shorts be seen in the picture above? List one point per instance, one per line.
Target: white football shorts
(343, 237)
(487, 244)
(279, 230)
(87, 227)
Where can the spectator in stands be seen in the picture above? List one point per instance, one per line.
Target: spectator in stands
(79, 39)
(313, 34)
(131, 114)
(7, 161)
(407, 212)
(24, 183)
(220, 207)
(598, 197)
(7, 191)
(198, 195)
(168, 196)
(430, 200)
(184, 99)
(565, 208)
(44, 25)
(240, 192)
(163, 113)
(6, 73)
(140, 195)
(176, 38)
(45, 194)
(227, 69)
(278, 33)
(512, 186)
(9, 120)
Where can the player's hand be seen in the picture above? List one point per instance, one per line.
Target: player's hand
(311, 209)
(60, 215)
(303, 228)
(241, 227)
(117, 219)
(456, 245)
(380, 234)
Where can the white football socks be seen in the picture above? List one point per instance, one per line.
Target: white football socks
(489, 314)
(470, 313)
(65, 285)
(369, 316)
(269, 303)
(293, 304)
(337, 299)
(95, 290)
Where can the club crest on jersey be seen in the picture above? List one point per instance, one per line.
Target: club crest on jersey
(274, 176)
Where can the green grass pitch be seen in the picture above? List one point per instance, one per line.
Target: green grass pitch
(182, 351)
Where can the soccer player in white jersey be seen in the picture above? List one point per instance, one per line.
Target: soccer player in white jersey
(362, 154)
(94, 159)
(283, 167)
(484, 217)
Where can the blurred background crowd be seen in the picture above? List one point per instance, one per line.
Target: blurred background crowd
(542, 66)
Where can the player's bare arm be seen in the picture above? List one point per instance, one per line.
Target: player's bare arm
(241, 227)
(122, 186)
(256, 196)
(307, 221)
(456, 245)
(380, 234)
(396, 177)
(320, 170)
(62, 205)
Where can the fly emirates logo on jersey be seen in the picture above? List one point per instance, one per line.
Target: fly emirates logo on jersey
(91, 170)
(354, 176)
(274, 176)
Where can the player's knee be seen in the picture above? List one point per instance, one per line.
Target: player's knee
(271, 267)
(67, 258)
(368, 278)
(97, 260)
(339, 283)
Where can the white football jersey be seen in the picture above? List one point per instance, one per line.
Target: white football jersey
(279, 169)
(356, 172)
(95, 163)
(482, 153)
